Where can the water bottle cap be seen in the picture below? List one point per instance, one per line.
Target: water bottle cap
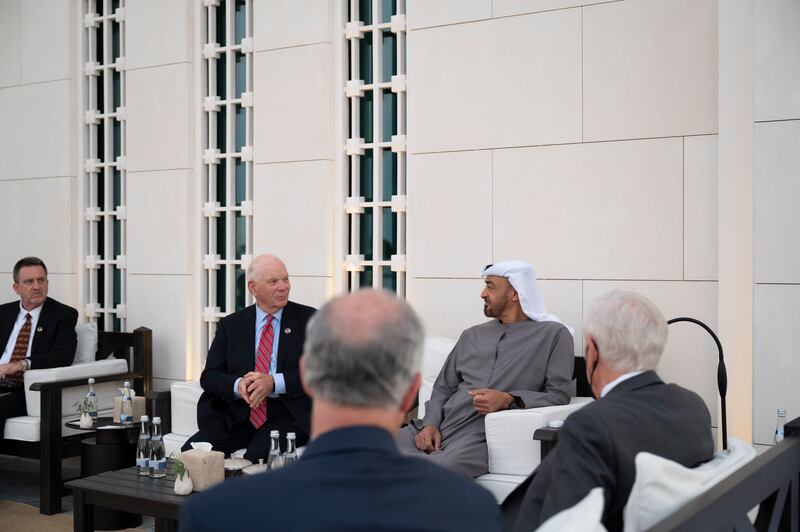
(274, 434)
(291, 436)
(127, 383)
(91, 380)
(781, 412)
(556, 424)
(145, 417)
(156, 420)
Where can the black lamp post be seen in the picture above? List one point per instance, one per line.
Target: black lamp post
(722, 375)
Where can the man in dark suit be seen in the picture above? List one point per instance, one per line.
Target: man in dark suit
(35, 332)
(361, 366)
(625, 335)
(251, 381)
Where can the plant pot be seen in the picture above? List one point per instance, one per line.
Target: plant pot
(183, 485)
(86, 421)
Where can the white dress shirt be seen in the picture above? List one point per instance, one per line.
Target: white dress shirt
(625, 376)
(12, 340)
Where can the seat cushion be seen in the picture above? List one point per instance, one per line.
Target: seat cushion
(500, 485)
(663, 486)
(105, 391)
(27, 428)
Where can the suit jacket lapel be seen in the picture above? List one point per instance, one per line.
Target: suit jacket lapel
(287, 340)
(247, 331)
(41, 325)
(7, 320)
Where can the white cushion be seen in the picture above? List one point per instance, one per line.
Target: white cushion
(27, 428)
(434, 354)
(663, 486)
(87, 343)
(184, 397)
(500, 485)
(105, 391)
(509, 436)
(584, 516)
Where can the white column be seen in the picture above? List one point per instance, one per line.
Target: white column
(736, 39)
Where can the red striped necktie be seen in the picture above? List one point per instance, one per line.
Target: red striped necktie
(258, 413)
(20, 349)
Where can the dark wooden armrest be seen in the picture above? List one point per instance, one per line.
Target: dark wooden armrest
(159, 403)
(548, 438)
(58, 385)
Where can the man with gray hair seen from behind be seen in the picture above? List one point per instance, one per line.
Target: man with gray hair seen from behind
(361, 366)
(522, 358)
(625, 334)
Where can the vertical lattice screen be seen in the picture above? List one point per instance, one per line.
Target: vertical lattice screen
(376, 145)
(227, 155)
(104, 173)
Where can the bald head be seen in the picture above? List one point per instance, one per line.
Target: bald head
(268, 281)
(363, 349)
(261, 264)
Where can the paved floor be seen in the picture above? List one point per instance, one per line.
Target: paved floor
(21, 483)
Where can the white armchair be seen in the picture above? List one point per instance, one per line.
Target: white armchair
(513, 453)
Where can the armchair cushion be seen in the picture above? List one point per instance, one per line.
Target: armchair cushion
(586, 515)
(509, 436)
(87, 343)
(663, 486)
(105, 391)
(184, 397)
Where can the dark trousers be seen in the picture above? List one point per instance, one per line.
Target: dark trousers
(256, 441)
(12, 404)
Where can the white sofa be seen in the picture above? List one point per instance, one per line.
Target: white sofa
(513, 453)
(51, 393)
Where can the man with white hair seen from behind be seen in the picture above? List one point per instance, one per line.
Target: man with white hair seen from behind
(361, 366)
(625, 334)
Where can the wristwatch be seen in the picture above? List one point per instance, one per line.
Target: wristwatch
(516, 403)
(25, 365)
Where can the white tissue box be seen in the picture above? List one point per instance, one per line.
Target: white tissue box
(206, 468)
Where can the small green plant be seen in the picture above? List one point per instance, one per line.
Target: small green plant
(179, 469)
(83, 406)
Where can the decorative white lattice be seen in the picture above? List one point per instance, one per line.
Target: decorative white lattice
(227, 154)
(374, 254)
(104, 169)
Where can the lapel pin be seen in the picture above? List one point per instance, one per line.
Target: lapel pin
(39, 329)
(287, 330)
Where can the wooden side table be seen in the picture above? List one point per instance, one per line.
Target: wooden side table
(113, 447)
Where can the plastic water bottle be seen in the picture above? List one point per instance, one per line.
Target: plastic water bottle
(143, 449)
(91, 401)
(158, 458)
(779, 426)
(291, 450)
(126, 406)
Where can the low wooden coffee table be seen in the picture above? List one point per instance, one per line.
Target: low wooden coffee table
(124, 490)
